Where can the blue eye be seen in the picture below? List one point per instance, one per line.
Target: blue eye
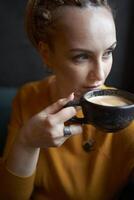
(107, 54)
(80, 57)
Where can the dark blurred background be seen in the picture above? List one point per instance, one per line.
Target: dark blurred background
(20, 63)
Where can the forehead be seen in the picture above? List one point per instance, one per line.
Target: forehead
(93, 26)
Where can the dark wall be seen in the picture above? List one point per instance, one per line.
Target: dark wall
(20, 62)
(122, 73)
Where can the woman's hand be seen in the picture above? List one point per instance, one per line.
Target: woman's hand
(45, 129)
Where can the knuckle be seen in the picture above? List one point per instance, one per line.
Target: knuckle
(41, 116)
(71, 111)
(50, 120)
(52, 133)
(56, 144)
(61, 102)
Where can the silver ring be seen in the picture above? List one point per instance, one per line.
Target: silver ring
(67, 131)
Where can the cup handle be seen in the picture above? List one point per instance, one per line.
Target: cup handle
(75, 119)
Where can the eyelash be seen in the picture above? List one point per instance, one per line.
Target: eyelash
(83, 56)
(108, 53)
(80, 57)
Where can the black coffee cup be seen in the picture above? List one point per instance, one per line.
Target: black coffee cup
(108, 118)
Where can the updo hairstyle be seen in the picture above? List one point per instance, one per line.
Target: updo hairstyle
(40, 16)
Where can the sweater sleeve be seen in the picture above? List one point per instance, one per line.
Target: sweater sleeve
(11, 186)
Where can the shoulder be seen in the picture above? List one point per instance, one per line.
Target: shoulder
(33, 96)
(36, 87)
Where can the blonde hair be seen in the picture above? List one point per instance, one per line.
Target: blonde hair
(39, 16)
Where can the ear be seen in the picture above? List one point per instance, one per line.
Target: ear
(44, 51)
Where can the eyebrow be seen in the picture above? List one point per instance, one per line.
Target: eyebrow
(112, 46)
(90, 52)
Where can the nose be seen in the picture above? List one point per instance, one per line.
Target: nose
(97, 71)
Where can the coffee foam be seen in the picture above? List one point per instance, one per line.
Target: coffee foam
(109, 100)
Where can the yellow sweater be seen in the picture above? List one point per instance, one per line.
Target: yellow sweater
(68, 172)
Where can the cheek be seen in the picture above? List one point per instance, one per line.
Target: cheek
(108, 67)
(70, 72)
(67, 69)
(66, 72)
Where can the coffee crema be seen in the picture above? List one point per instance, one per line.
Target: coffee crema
(109, 100)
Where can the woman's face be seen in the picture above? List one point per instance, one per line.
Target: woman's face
(83, 46)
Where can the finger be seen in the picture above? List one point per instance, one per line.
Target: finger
(64, 115)
(57, 106)
(76, 129)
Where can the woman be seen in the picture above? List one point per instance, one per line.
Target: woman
(44, 157)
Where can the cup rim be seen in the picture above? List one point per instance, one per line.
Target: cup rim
(111, 91)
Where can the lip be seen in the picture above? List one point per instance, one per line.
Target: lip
(91, 87)
(85, 89)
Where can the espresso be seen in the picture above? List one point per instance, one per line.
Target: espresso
(109, 100)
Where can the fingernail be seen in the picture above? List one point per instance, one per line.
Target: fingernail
(71, 96)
